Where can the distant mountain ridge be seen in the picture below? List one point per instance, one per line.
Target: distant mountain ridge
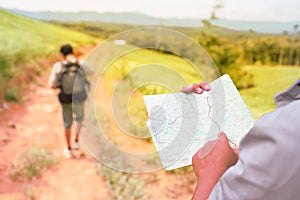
(146, 20)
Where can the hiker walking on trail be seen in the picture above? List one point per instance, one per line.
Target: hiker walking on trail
(69, 76)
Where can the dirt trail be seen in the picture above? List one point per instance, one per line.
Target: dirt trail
(39, 122)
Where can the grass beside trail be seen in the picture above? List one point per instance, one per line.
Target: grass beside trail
(268, 81)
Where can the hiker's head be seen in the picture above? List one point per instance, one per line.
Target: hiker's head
(66, 49)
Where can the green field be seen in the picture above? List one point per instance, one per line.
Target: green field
(148, 72)
(268, 81)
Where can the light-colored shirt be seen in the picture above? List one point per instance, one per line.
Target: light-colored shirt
(57, 69)
(269, 159)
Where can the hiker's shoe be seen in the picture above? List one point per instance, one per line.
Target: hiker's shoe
(68, 153)
(76, 145)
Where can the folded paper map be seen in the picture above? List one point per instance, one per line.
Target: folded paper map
(181, 123)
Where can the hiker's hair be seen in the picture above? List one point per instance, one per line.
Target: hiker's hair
(66, 49)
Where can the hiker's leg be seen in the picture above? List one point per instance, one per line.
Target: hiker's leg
(67, 116)
(78, 110)
(68, 138)
(78, 129)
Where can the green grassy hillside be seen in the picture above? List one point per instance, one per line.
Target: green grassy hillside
(268, 81)
(24, 42)
(20, 33)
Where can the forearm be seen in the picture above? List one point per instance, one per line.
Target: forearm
(203, 189)
(206, 182)
(210, 163)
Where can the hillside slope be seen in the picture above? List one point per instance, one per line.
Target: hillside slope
(23, 44)
(18, 33)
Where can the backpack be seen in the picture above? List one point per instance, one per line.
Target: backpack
(73, 83)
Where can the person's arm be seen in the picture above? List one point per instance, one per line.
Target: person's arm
(209, 163)
(54, 80)
(268, 165)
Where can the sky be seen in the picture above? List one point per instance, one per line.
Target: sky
(252, 10)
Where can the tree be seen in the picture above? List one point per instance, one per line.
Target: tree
(206, 24)
(282, 48)
(296, 26)
(213, 15)
(292, 48)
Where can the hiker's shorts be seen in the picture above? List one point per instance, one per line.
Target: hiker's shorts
(72, 111)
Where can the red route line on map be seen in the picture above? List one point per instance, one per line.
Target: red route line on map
(219, 127)
(209, 115)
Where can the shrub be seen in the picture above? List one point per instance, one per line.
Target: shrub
(122, 185)
(33, 162)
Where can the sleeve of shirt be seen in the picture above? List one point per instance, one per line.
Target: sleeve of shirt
(54, 81)
(269, 164)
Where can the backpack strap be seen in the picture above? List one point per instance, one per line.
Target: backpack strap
(67, 65)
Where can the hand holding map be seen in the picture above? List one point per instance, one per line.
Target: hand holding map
(181, 123)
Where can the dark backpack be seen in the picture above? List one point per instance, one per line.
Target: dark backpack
(73, 83)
